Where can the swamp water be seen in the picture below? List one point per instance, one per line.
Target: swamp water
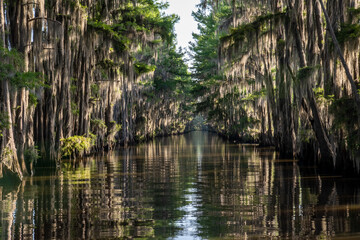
(194, 186)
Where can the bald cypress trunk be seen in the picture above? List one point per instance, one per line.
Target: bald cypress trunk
(9, 160)
(92, 86)
(286, 52)
(326, 150)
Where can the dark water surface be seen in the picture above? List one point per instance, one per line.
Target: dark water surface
(195, 186)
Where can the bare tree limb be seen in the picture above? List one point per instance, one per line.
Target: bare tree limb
(28, 3)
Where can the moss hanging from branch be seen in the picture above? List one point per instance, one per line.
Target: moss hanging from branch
(241, 32)
(115, 32)
(306, 72)
(12, 69)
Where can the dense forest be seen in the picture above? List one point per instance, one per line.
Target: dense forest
(80, 76)
(283, 73)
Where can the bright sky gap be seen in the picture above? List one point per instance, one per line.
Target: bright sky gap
(187, 25)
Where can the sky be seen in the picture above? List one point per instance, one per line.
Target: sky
(187, 25)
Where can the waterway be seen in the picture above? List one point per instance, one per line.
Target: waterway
(193, 186)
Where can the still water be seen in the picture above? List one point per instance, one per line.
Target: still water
(194, 186)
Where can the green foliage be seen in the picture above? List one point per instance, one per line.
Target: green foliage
(348, 32)
(98, 123)
(255, 95)
(321, 97)
(114, 127)
(32, 99)
(108, 64)
(198, 89)
(172, 73)
(354, 11)
(241, 32)
(115, 32)
(4, 122)
(95, 90)
(31, 154)
(306, 135)
(28, 80)
(305, 72)
(141, 68)
(75, 145)
(281, 43)
(344, 111)
(345, 118)
(75, 108)
(144, 17)
(6, 154)
(205, 48)
(12, 60)
(73, 86)
(12, 69)
(76, 4)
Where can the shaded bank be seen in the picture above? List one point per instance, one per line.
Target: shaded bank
(272, 72)
(81, 76)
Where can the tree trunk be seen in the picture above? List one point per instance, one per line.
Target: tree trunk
(326, 150)
(8, 150)
(341, 56)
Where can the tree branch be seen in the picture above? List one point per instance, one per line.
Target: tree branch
(28, 3)
(44, 18)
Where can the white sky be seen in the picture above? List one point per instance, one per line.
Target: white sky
(187, 25)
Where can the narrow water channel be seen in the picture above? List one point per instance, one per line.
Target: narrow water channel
(194, 186)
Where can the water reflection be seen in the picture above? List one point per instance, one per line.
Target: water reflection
(194, 186)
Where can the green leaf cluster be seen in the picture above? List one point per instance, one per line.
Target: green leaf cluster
(114, 31)
(241, 32)
(146, 16)
(348, 32)
(321, 96)
(305, 72)
(108, 64)
(204, 51)
(143, 17)
(31, 154)
(354, 11)
(12, 69)
(345, 118)
(75, 145)
(98, 123)
(205, 48)
(172, 73)
(141, 68)
(255, 95)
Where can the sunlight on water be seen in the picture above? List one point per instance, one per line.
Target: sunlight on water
(194, 186)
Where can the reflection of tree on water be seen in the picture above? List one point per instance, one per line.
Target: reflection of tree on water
(8, 197)
(253, 193)
(161, 188)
